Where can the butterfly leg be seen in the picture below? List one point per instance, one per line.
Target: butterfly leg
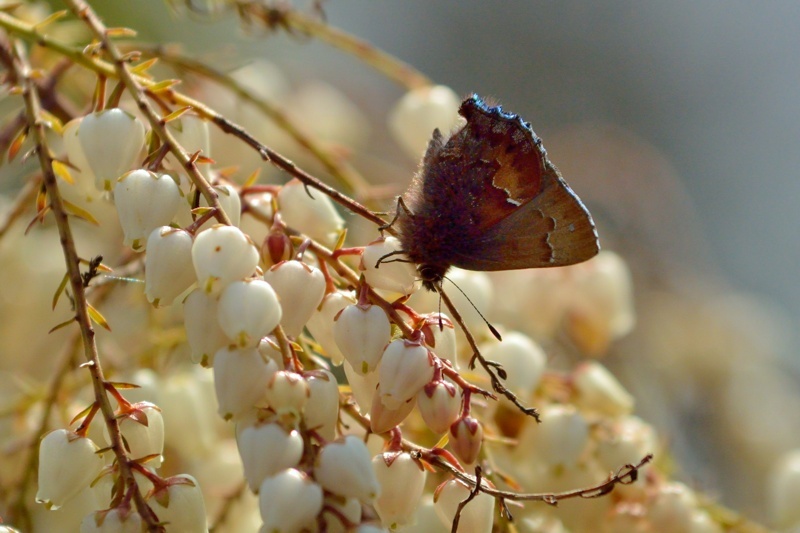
(382, 259)
(401, 204)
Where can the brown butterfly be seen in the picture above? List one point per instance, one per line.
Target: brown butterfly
(488, 198)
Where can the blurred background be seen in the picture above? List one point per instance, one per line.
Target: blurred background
(676, 122)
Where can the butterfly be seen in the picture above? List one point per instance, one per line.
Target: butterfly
(488, 198)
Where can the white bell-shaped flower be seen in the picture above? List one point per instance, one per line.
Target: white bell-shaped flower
(672, 508)
(439, 404)
(143, 430)
(114, 520)
(289, 501)
(222, 254)
(395, 274)
(345, 468)
(624, 441)
(192, 135)
(522, 359)
(599, 391)
(240, 380)
(67, 464)
(474, 292)
(310, 212)
(266, 449)
(287, 393)
(203, 332)
(383, 419)
(405, 368)
(301, 287)
(362, 332)
(168, 269)
(783, 486)
(145, 200)
(419, 112)
(84, 178)
(476, 517)
(560, 439)
(402, 480)
(111, 141)
(248, 311)
(322, 410)
(181, 505)
(341, 514)
(320, 325)
(364, 387)
(229, 201)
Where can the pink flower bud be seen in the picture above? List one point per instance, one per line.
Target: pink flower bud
(405, 368)
(362, 333)
(344, 467)
(439, 405)
(301, 287)
(466, 437)
(440, 336)
(402, 480)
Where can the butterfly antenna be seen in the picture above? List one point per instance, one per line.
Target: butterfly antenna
(491, 327)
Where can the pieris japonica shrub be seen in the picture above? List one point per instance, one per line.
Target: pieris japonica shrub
(274, 372)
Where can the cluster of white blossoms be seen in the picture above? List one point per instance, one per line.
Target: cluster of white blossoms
(321, 391)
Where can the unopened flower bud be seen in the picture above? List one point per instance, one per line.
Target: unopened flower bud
(203, 332)
(321, 323)
(168, 265)
(240, 380)
(287, 393)
(393, 276)
(248, 311)
(466, 437)
(111, 141)
(289, 501)
(419, 112)
(345, 468)
(405, 368)
(181, 505)
(439, 405)
(267, 449)
(145, 200)
(222, 254)
(310, 212)
(402, 480)
(277, 247)
(476, 517)
(362, 333)
(67, 464)
(301, 287)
